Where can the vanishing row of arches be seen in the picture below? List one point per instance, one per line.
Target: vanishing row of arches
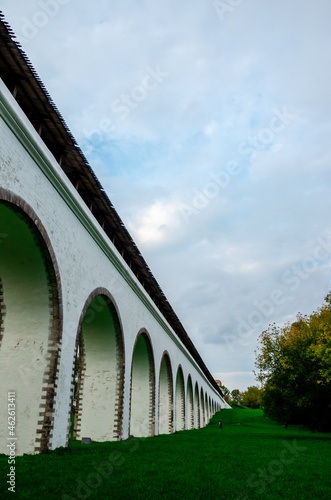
(31, 347)
(100, 385)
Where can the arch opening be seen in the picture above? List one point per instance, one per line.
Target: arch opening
(142, 408)
(165, 397)
(206, 410)
(180, 400)
(30, 325)
(202, 409)
(196, 408)
(100, 360)
(190, 405)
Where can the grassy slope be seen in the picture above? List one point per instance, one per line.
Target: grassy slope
(208, 463)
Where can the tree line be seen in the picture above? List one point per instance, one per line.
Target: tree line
(251, 398)
(293, 365)
(294, 368)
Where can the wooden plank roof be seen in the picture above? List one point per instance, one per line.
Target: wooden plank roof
(23, 82)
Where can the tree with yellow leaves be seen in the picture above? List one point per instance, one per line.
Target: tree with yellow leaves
(294, 367)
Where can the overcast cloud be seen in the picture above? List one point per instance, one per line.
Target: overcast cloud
(208, 124)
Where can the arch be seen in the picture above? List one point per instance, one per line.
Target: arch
(202, 409)
(165, 396)
(142, 397)
(206, 410)
(209, 408)
(30, 322)
(100, 355)
(190, 405)
(180, 400)
(196, 407)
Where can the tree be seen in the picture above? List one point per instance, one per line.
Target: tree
(226, 394)
(236, 396)
(294, 365)
(252, 397)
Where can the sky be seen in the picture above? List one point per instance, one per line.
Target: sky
(208, 123)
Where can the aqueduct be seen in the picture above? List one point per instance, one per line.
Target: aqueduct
(81, 316)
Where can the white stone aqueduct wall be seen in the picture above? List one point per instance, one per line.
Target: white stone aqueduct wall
(63, 287)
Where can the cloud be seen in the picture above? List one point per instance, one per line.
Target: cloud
(236, 380)
(151, 226)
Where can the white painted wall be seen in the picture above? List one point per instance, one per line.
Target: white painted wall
(87, 259)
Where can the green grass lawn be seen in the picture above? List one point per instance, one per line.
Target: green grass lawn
(251, 457)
